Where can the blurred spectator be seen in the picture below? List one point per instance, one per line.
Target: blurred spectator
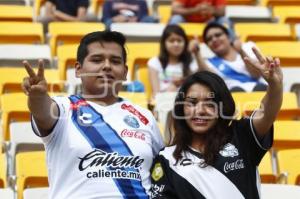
(174, 62)
(197, 10)
(125, 11)
(228, 60)
(64, 10)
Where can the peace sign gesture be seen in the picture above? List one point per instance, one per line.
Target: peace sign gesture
(35, 84)
(268, 67)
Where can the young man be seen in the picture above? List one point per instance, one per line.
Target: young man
(98, 145)
(126, 11)
(62, 10)
(197, 11)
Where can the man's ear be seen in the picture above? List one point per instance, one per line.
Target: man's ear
(125, 72)
(77, 69)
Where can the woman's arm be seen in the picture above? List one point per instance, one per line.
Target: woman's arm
(154, 80)
(270, 105)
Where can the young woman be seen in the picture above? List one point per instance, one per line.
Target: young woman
(228, 60)
(213, 155)
(174, 62)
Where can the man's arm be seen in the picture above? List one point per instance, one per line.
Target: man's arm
(271, 103)
(49, 10)
(81, 15)
(43, 109)
(219, 11)
(178, 8)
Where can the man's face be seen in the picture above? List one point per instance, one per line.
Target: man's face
(103, 70)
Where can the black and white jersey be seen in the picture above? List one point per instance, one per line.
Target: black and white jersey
(233, 176)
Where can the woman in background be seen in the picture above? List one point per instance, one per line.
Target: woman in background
(173, 63)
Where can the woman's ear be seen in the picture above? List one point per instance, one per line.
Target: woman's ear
(78, 67)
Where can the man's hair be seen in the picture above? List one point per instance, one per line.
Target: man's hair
(214, 25)
(100, 36)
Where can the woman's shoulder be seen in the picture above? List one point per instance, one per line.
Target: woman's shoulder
(154, 62)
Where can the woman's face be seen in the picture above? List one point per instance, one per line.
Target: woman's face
(174, 45)
(217, 40)
(200, 110)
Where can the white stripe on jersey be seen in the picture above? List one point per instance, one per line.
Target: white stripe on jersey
(203, 179)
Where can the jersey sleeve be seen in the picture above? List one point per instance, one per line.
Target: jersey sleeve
(254, 146)
(161, 187)
(63, 105)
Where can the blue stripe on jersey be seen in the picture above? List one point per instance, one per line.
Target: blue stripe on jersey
(104, 137)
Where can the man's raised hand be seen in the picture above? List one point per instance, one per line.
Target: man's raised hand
(35, 84)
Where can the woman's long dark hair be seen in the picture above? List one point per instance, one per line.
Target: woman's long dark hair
(185, 56)
(220, 134)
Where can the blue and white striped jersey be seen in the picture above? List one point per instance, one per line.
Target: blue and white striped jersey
(99, 151)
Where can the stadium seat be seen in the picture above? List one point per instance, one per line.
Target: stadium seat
(70, 32)
(14, 54)
(164, 13)
(193, 29)
(287, 51)
(37, 5)
(3, 170)
(139, 98)
(96, 6)
(287, 14)
(272, 3)
(284, 114)
(6, 193)
(297, 31)
(251, 101)
(66, 55)
(22, 138)
(151, 31)
(279, 191)
(29, 174)
(289, 161)
(138, 55)
(248, 13)
(266, 171)
(12, 77)
(36, 193)
(259, 32)
(14, 108)
(21, 33)
(286, 135)
(16, 13)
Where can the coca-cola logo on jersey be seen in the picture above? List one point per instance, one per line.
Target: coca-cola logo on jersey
(99, 158)
(133, 134)
(231, 166)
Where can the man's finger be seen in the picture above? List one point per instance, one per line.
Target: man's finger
(252, 63)
(26, 85)
(258, 55)
(41, 69)
(29, 69)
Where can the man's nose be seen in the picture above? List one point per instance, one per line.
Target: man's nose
(107, 64)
